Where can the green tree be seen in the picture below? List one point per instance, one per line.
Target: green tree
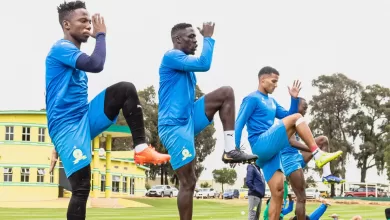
(369, 123)
(331, 109)
(225, 176)
(205, 185)
(310, 182)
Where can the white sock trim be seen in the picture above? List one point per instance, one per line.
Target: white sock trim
(229, 140)
(317, 154)
(140, 147)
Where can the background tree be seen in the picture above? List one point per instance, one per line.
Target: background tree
(225, 176)
(205, 185)
(369, 123)
(310, 182)
(331, 110)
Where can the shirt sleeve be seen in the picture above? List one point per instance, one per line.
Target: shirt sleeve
(249, 177)
(316, 214)
(95, 62)
(282, 113)
(247, 107)
(176, 59)
(66, 53)
(289, 208)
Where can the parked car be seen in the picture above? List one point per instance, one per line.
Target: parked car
(310, 193)
(244, 193)
(324, 194)
(205, 193)
(160, 190)
(364, 192)
(231, 194)
(175, 191)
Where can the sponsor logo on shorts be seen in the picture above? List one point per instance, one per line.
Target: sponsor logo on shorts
(78, 155)
(186, 153)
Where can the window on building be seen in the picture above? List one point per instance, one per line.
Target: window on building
(25, 175)
(40, 175)
(51, 177)
(103, 183)
(26, 134)
(7, 174)
(124, 184)
(132, 184)
(9, 133)
(115, 183)
(41, 134)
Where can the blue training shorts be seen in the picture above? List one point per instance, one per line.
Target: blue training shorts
(292, 161)
(270, 167)
(179, 140)
(268, 147)
(74, 145)
(271, 142)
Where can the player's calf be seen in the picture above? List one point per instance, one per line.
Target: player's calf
(276, 187)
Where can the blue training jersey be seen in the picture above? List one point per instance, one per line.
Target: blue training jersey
(66, 88)
(258, 112)
(177, 83)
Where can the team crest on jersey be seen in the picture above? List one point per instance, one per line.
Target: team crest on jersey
(186, 153)
(78, 155)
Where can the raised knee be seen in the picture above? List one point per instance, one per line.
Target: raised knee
(323, 139)
(227, 92)
(127, 86)
(297, 116)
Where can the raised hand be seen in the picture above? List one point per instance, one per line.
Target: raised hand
(295, 89)
(54, 159)
(98, 25)
(207, 30)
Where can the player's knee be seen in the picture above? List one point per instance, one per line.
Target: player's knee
(81, 192)
(298, 119)
(189, 183)
(227, 92)
(323, 139)
(278, 191)
(301, 196)
(127, 87)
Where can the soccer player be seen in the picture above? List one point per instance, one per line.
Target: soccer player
(181, 117)
(317, 213)
(293, 161)
(72, 121)
(267, 136)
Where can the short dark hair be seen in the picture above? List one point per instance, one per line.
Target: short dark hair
(66, 8)
(267, 70)
(179, 27)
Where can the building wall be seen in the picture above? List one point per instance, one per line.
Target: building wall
(126, 171)
(35, 154)
(19, 155)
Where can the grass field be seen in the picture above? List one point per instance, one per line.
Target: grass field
(164, 209)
